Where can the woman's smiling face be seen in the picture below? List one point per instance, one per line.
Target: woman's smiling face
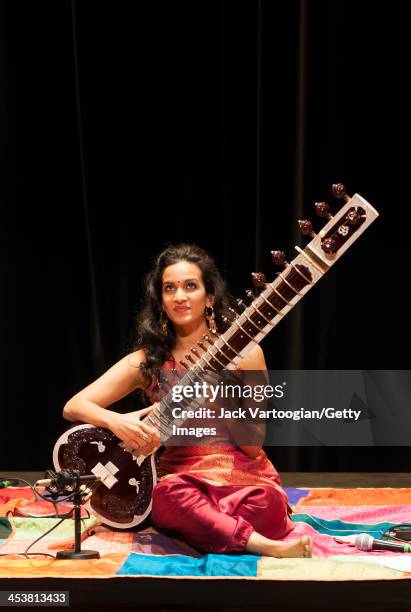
(184, 294)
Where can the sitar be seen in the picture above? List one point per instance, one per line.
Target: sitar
(122, 498)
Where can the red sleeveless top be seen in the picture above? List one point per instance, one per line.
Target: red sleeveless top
(223, 463)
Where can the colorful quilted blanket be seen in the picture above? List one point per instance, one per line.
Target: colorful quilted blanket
(331, 516)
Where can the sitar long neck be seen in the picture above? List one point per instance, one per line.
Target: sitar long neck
(282, 294)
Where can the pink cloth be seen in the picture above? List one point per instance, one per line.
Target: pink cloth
(325, 545)
(360, 514)
(216, 518)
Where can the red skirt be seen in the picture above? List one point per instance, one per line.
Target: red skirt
(218, 519)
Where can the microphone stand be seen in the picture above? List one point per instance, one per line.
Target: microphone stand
(77, 553)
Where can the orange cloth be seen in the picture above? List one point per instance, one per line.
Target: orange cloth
(357, 497)
(11, 506)
(13, 566)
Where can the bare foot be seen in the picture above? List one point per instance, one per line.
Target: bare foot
(303, 547)
(260, 545)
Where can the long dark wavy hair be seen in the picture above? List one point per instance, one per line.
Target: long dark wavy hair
(157, 345)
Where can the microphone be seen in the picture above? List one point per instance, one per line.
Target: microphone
(365, 542)
(66, 478)
(12, 482)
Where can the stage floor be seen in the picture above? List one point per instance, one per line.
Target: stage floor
(298, 479)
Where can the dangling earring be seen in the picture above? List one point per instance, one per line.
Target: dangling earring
(163, 323)
(209, 313)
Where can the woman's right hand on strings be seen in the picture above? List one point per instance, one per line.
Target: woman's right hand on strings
(136, 433)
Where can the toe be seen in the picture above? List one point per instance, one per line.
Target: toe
(307, 542)
(307, 550)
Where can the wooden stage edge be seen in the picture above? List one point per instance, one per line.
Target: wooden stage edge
(222, 595)
(296, 479)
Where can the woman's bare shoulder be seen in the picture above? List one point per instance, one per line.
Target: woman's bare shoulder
(136, 358)
(136, 362)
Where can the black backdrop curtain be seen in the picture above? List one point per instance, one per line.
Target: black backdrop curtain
(126, 126)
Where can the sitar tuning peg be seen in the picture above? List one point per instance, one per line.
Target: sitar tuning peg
(306, 228)
(226, 320)
(322, 209)
(338, 190)
(233, 311)
(259, 280)
(241, 305)
(278, 258)
(250, 294)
